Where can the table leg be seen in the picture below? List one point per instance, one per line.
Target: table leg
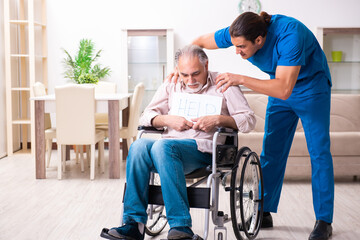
(114, 143)
(125, 123)
(67, 152)
(40, 139)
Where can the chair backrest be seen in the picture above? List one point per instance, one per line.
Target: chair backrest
(105, 87)
(342, 119)
(135, 105)
(258, 103)
(75, 114)
(40, 90)
(345, 114)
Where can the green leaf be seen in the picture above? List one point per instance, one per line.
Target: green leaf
(82, 68)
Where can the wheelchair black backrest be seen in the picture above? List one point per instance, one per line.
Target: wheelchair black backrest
(226, 153)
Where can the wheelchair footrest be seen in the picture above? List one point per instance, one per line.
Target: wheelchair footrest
(198, 197)
(195, 237)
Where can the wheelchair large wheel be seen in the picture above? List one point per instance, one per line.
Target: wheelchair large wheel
(246, 195)
(156, 220)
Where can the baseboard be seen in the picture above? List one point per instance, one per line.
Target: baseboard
(2, 155)
(106, 146)
(54, 146)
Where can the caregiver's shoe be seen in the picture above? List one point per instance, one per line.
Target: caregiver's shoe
(322, 231)
(267, 221)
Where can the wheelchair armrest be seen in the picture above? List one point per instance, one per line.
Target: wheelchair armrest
(145, 129)
(226, 130)
(150, 129)
(155, 130)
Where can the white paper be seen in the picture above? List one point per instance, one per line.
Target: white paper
(195, 105)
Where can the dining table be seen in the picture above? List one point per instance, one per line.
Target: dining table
(110, 103)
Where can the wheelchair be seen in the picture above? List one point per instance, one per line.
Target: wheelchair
(245, 188)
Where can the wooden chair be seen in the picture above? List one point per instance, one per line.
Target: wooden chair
(102, 87)
(129, 133)
(101, 119)
(75, 123)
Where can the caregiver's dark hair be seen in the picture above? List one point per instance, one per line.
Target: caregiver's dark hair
(250, 25)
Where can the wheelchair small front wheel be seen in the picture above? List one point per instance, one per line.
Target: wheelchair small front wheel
(246, 195)
(156, 220)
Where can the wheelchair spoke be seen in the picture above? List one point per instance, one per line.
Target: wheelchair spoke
(156, 213)
(154, 210)
(156, 221)
(246, 197)
(235, 193)
(252, 182)
(156, 224)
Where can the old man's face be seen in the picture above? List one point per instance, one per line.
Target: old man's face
(192, 72)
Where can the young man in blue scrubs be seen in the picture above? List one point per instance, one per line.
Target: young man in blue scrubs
(299, 87)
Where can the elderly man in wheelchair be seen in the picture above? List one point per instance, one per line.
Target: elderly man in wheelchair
(187, 148)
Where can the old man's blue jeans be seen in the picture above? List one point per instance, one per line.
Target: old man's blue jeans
(172, 159)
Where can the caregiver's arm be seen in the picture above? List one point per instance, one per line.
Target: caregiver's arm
(280, 87)
(206, 41)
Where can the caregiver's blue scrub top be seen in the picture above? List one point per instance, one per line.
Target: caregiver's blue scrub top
(289, 43)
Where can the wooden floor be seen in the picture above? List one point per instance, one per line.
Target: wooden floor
(76, 208)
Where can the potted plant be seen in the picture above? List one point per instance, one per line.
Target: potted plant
(82, 69)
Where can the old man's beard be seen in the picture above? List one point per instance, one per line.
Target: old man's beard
(193, 88)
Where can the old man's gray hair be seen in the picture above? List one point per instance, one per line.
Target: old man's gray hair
(191, 50)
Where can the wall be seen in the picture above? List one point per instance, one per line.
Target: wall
(102, 20)
(2, 86)
(69, 21)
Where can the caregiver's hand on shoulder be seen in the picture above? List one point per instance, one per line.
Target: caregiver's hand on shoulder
(225, 80)
(173, 76)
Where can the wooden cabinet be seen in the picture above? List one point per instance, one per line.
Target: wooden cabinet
(25, 62)
(345, 72)
(148, 57)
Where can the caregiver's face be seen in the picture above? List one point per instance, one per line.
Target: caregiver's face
(246, 48)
